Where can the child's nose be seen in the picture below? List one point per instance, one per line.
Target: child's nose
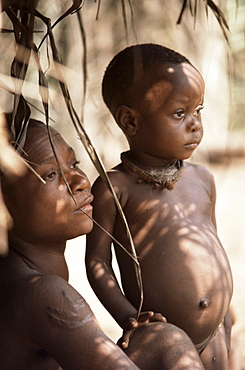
(78, 181)
(195, 124)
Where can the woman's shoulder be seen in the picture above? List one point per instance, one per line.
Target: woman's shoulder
(49, 302)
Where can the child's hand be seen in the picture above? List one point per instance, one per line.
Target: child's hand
(133, 323)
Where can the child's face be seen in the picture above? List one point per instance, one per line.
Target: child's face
(46, 213)
(168, 114)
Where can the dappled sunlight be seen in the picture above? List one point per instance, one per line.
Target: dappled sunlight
(36, 278)
(100, 272)
(164, 231)
(60, 204)
(146, 249)
(185, 271)
(163, 346)
(105, 349)
(167, 347)
(104, 346)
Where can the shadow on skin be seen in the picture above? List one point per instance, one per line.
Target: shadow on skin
(185, 257)
(176, 354)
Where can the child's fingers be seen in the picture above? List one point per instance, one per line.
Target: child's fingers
(132, 323)
(158, 317)
(123, 342)
(144, 316)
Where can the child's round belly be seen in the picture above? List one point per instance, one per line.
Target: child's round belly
(191, 285)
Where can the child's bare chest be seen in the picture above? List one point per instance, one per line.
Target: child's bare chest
(180, 253)
(154, 207)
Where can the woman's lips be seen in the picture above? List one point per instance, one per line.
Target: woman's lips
(86, 205)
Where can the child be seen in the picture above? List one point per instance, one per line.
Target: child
(45, 323)
(156, 97)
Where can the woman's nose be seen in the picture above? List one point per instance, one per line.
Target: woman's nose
(78, 181)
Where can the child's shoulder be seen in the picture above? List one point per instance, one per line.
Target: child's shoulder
(198, 170)
(202, 175)
(117, 176)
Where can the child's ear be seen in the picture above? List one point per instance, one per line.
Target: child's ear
(126, 120)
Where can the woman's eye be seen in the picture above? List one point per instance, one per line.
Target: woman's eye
(51, 175)
(75, 164)
(179, 114)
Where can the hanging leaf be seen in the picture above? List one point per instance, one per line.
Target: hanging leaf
(23, 31)
(20, 122)
(98, 10)
(7, 3)
(77, 4)
(94, 157)
(125, 19)
(182, 12)
(220, 18)
(84, 61)
(215, 9)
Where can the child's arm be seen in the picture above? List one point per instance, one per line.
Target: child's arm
(99, 257)
(210, 186)
(99, 269)
(213, 200)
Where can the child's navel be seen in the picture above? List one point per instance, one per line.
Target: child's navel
(204, 303)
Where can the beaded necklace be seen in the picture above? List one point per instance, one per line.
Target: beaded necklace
(166, 177)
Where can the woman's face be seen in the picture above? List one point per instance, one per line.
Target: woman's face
(47, 212)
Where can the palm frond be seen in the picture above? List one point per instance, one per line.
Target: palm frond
(182, 11)
(98, 10)
(22, 19)
(84, 61)
(22, 14)
(23, 31)
(220, 18)
(76, 6)
(83, 136)
(208, 4)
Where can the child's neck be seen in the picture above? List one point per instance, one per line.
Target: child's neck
(164, 176)
(146, 161)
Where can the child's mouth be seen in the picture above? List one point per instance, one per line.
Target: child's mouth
(191, 145)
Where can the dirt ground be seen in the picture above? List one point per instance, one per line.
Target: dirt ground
(230, 209)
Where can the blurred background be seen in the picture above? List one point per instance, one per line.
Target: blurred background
(87, 40)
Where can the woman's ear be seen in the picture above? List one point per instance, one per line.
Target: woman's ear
(126, 120)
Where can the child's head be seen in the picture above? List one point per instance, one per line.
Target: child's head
(46, 212)
(129, 68)
(155, 95)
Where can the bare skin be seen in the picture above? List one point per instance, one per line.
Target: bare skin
(185, 271)
(45, 323)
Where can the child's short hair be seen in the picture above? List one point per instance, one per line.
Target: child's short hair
(130, 62)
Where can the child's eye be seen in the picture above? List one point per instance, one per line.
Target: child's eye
(75, 164)
(179, 114)
(198, 110)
